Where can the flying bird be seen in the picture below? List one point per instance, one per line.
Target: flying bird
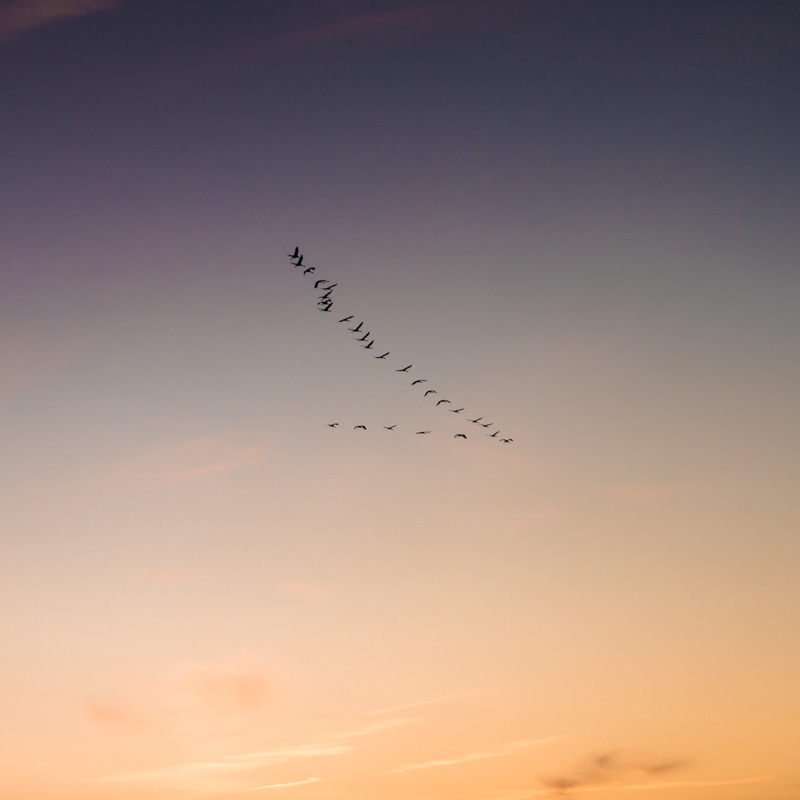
(364, 337)
(299, 262)
(422, 432)
(455, 410)
(369, 344)
(346, 319)
(419, 380)
(295, 254)
(308, 271)
(405, 369)
(486, 424)
(442, 401)
(390, 427)
(475, 420)
(506, 440)
(492, 435)
(430, 391)
(320, 282)
(325, 308)
(357, 328)
(362, 427)
(333, 424)
(384, 355)
(460, 436)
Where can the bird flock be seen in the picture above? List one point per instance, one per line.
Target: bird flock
(325, 306)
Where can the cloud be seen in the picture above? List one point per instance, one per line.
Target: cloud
(193, 696)
(398, 22)
(187, 461)
(20, 16)
(282, 785)
(507, 749)
(164, 576)
(608, 770)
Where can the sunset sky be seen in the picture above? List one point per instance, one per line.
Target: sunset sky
(575, 220)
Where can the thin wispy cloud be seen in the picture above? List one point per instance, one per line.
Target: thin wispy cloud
(16, 18)
(394, 24)
(242, 762)
(283, 785)
(506, 749)
(638, 787)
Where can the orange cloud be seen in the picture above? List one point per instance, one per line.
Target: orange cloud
(24, 15)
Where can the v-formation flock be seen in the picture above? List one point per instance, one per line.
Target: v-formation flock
(325, 305)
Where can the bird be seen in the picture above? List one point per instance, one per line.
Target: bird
(455, 410)
(478, 419)
(295, 254)
(346, 319)
(390, 427)
(363, 427)
(299, 262)
(368, 345)
(422, 432)
(492, 435)
(384, 355)
(309, 270)
(442, 401)
(460, 436)
(430, 391)
(419, 380)
(320, 282)
(325, 308)
(486, 424)
(327, 293)
(405, 369)
(333, 424)
(506, 440)
(357, 328)
(364, 337)
(328, 288)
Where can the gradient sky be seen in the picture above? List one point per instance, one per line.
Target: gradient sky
(577, 219)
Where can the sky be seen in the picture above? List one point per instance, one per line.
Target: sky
(573, 220)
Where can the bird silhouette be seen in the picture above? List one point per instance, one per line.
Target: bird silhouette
(455, 410)
(362, 427)
(422, 432)
(295, 254)
(486, 424)
(430, 391)
(325, 308)
(346, 319)
(460, 436)
(333, 424)
(419, 380)
(319, 283)
(405, 369)
(492, 435)
(364, 337)
(478, 419)
(368, 345)
(299, 262)
(390, 427)
(384, 355)
(309, 270)
(442, 401)
(506, 440)
(357, 328)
